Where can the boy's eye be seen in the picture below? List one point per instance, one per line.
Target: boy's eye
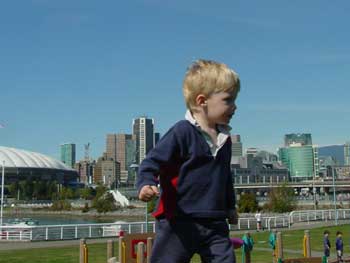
(229, 100)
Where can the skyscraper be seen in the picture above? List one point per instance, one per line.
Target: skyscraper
(121, 148)
(143, 130)
(156, 137)
(347, 153)
(301, 160)
(68, 154)
(297, 138)
(237, 148)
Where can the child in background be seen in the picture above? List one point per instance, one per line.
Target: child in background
(326, 244)
(339, 246)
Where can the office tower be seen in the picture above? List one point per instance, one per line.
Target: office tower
(237, 148)
(301, 160)
(111, 146)
(68, 154)
(143, 130)
(121, 148)
(297, 138)
(347, 153)
(156, 137)
(107, 172)
(85, 170)
(252, 151)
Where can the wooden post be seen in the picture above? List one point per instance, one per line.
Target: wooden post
(140, 252)
(110, 249)
(149, 249)
(307, 245)
(279, 246)
(82, 250)
(121, 250)
(86, 254)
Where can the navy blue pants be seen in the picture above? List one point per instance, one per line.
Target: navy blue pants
(179, 239)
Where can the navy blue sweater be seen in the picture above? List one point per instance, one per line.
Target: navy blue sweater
(193, 182)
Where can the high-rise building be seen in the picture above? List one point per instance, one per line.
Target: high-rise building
(347, 153)
(237, 148)
(85, 170)
(297, 138)
(111, 146)
(121, 148)
(143, 130)
(252, 151)
(68, 154)
(156, 137)
(107, 172)
(301, 160)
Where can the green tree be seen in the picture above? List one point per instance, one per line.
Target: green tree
(281, 199)
(86, 193)
(247, 203)
(105, 203)
(13, 188)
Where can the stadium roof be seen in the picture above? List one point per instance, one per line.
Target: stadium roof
(25, 159)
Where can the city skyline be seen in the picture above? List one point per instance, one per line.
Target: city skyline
(76, 71)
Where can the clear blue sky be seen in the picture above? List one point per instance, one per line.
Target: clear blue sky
(73, 71)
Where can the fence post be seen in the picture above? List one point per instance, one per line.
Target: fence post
(307, 247)
(110, 249)
(149, 249)
(121, 250)
(82, 250)
(140, 252)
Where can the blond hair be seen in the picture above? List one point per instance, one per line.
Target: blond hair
(207, 77)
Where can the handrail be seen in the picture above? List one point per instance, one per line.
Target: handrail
(98, 230)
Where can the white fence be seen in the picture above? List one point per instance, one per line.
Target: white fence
(66, 232)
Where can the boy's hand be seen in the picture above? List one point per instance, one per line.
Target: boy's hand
(233, 219)
(148, 192)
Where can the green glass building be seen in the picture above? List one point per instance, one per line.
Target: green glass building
(68, 154)
(302, 161)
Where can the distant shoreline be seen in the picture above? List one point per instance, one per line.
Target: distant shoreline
(136, 213)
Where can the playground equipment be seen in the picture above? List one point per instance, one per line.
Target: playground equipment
(278, 255)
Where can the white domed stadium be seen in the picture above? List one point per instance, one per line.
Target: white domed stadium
(26, 165)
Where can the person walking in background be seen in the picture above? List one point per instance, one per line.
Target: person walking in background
(258, 220)
(192, 164)
(326, 244)
(339, 246)
(248, 244)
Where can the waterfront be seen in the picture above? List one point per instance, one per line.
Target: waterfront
(48, 217)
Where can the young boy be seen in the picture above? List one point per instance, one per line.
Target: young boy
(192, 165)
(339, 246)
(326, 243)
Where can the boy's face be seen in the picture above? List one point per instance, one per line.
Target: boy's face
(221, 107)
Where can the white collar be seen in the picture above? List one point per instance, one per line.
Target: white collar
(225, 129)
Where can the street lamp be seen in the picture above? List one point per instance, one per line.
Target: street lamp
(2, 191)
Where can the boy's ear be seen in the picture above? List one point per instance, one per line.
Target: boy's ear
(201, 100)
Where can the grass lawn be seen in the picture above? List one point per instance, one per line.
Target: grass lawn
(292, 239)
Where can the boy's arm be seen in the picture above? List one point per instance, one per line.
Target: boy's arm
(150, 167)
(233, 215)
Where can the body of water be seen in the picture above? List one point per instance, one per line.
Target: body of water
(68, 219)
